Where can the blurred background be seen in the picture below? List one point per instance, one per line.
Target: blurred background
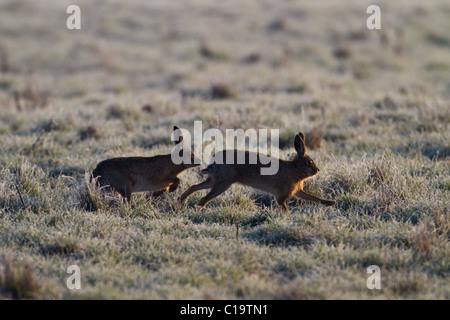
(136, 68)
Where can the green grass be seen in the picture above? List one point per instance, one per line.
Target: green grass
(379, 113)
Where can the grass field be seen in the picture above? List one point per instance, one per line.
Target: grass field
(374, 106)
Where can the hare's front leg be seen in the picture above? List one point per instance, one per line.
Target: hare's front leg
(208, 183)
(215, 191)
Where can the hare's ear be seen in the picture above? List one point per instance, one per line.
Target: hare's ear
(178, 136)
(299, 144)
(302, 136)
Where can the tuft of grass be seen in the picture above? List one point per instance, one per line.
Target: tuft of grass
(438, 39)
(116, 111)
(342, 51)
(252, 58)
(148, 108)
(314, 137)
(381, 172)
(207, 51)
(386, 103)
(222, 90)
(90, 197)
(281, 235)
(5, 65)
(278, 24)
(60, 247)
(30, 98)
(360, 118)
(299, 88)
(18, 279)
(423, 244)
(90, 132)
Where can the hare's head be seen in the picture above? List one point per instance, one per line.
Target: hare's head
(300, 159)
(188, 158)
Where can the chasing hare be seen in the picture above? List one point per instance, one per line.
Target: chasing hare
(136, 174)
(287, 182)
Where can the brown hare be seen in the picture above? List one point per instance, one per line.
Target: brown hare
(136, 174)
(287, 182)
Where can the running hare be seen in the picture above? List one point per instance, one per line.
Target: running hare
(287, 182)
(136, 174)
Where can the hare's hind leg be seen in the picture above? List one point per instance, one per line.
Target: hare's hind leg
(159, 193)
(124, 191)
(215, 191)
(116, 181)
(174, 185)
(127, 192)
(282, 202)
(306, 196)
(208, 183)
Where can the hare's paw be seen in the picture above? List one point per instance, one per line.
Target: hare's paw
(330, 203)
(198, 208)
